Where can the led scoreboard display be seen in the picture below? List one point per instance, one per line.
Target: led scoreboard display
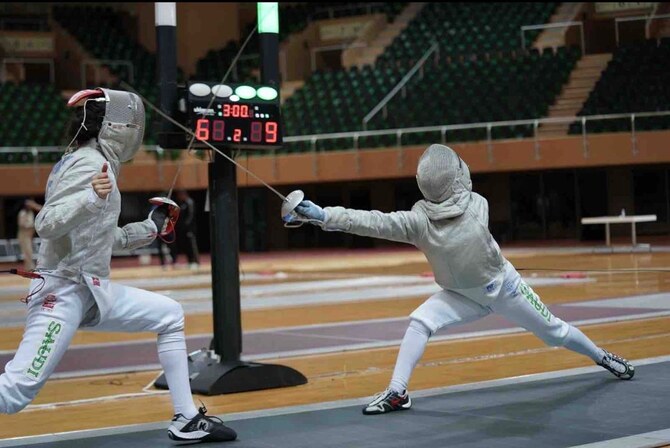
(240, 115)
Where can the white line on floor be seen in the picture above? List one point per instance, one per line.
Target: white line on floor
(645, 440)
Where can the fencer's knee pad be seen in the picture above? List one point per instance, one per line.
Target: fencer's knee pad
(176, 317)
(556, 334)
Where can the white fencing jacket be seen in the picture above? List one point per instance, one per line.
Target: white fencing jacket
(79, 230)
(453, 235)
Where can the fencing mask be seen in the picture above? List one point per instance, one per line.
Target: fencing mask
(441, 174)
(122, 128)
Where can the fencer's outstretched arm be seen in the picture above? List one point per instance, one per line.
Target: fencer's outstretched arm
(71, 202)
(404, 226)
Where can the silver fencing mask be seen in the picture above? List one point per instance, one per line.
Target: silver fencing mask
(122, 129)
(442, 174)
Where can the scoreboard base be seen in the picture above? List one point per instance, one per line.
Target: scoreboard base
(210, 377)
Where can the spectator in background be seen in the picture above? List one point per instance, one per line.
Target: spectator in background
(186, 230)
(26, 222)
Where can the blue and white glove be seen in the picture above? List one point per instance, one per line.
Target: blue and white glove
(311, 211)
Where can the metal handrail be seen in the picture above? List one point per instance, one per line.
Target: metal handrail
(647, 24)
(313, 138)
(17, 60)
(400, 84)
(357, 6)
(48, 149)
(343, 46)
(550, 26)
(648, 18)
(484, 125)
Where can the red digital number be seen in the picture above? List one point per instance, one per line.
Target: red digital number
(244, 111)
(256, 131)
(202, 129)
(236, 110)
(218, 130)
(226, 110)
(271, 131)
(237, 135)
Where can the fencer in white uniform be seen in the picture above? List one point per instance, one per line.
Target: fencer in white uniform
(450, 226)
(78, 228)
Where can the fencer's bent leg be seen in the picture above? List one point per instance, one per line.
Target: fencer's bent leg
(523, 307)
(443, 309)
(137, 310)
(53, 318)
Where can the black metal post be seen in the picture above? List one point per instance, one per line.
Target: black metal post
(269, 48)
(166, 43)
(225, 258)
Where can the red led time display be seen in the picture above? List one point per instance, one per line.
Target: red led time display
(212, 129)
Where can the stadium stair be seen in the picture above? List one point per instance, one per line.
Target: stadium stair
(369, 54)
(636, 80)
(582, 80)
(288, 88)
(555, 37)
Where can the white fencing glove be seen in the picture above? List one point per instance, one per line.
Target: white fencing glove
(311, 211)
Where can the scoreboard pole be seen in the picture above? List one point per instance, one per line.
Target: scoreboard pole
(228, 373)
(268, 34)
(225, 244)
(166, 38)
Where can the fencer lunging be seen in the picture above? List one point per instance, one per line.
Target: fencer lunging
(78, 228)
(450, 226)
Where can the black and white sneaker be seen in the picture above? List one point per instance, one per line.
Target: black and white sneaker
(200, 428)
(388, 401)
(619, 367)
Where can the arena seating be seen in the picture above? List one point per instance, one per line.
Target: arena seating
(34, 115)
(468, 28)
(215, 64)
(637, 79)
(293, 18)
(479, 52)
(499, 89)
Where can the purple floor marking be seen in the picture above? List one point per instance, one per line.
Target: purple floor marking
(85, 358)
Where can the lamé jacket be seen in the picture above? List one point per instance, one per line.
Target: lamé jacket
(453, 235)
(79, 230)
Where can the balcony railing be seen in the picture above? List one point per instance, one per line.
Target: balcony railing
(443, 130)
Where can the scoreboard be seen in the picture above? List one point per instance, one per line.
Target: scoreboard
(235, 115)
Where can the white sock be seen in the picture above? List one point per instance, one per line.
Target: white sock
(411, 351)
(173, 357)
(580, 343)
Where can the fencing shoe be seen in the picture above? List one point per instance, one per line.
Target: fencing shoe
(617, 365)
(388, 401)
(200, 428)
